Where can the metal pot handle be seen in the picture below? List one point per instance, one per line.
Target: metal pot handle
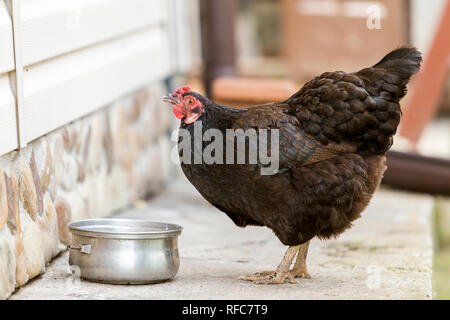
(84, 248)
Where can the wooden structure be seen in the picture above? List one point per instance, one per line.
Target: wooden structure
(430, 82)
(319, 36)
(218, 45)
(242, 92)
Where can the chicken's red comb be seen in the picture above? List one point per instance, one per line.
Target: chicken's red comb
(182, 90)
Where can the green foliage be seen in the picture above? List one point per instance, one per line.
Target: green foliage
(441, 237)
(441, 274)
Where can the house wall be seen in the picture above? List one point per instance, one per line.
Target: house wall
(83, 130)
(86, 169)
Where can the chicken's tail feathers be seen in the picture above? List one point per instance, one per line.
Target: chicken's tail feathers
(386, 83)
(392, 73)
(404, 62)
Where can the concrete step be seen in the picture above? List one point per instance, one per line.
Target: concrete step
(386, 255)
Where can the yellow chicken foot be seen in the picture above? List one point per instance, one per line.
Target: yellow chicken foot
(299, 270)
(281, 275)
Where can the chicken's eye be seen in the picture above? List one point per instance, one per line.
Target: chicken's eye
(190, 101)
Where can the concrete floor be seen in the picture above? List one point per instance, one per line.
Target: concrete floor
(386, 255)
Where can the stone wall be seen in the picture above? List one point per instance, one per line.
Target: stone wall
(88, 168)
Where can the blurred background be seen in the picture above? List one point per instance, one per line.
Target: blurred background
(261, 51)
(83, 125)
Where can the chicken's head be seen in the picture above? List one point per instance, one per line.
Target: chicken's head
(185, 105)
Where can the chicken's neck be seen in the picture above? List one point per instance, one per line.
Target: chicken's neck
(216, 116)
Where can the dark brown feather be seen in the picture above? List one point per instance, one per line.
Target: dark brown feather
(334, 133)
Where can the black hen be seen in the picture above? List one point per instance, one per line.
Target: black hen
(332, 137)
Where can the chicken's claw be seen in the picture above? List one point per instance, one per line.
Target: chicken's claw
(300, 274)
(270, 277)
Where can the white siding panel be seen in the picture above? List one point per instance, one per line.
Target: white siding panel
(8, 133)
(62, 89)
(184, 27)
(53, 27)
(6, 40)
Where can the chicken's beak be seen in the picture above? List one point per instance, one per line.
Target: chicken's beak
(170, 98)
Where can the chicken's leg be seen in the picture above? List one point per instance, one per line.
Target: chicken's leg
(280, 275)
(299, 269)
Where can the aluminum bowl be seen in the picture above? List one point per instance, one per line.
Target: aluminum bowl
(125, 251)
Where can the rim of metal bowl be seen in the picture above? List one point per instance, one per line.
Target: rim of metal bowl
(115, 228)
